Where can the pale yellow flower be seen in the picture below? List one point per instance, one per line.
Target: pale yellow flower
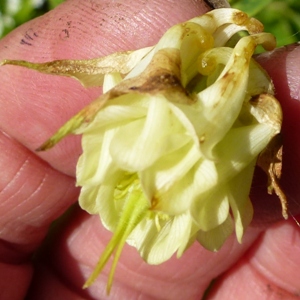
(169, 149)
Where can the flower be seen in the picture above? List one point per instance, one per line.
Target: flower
(169, 149)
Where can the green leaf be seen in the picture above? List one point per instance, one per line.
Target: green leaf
(251, 7)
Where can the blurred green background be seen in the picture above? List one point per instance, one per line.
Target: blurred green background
(281, 17)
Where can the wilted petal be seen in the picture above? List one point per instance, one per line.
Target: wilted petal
(90, 72)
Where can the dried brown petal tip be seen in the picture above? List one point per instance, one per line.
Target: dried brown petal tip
(270, 160)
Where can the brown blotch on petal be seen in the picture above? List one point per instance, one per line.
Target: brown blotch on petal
(267, 110)
(161, 76)
(159, 82)
(240, 18)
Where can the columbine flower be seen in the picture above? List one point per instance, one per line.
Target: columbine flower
(169, 149)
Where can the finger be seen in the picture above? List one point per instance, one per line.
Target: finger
(268, 271)
(77, 250)
(282, 65)
(75, 30)
(32, 196)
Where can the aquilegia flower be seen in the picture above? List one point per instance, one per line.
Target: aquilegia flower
(169, 149)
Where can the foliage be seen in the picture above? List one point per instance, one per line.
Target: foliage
(16, 12)
(281, 17)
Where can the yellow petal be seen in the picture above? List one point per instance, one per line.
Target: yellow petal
(214, 239)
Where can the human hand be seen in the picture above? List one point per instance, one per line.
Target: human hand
(36, 188)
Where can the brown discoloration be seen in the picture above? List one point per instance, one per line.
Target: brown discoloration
(240, 18)
(228, 78)
(154, 203)
(188, 29)
(161, 76)
(270, 160)
(254, 26)
(159, 82)
(267, 110)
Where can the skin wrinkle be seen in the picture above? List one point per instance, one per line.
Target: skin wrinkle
(35, 210)
(38, 207)
(261, 279)
(115, 21)
(268, 280)
(35, 130)
(145, 295)
(80, 28)
(273, 251)
(24, 227)
(30, 195)
(253, 267)
(225, 286)
(295, 238)
(39, 187)
(129, 273)
(155, 282)
(65, 193)
(13, 179)
(165, 286)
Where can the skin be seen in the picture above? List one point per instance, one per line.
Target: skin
(37, 188)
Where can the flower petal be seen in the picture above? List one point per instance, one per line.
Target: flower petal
(240, 203)
(170, 200)
(214, 239)
(169, 169)
(143, 142)
(239, 148)
(156, 247)
(211, 209)
(89, 72)
(110, 81)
